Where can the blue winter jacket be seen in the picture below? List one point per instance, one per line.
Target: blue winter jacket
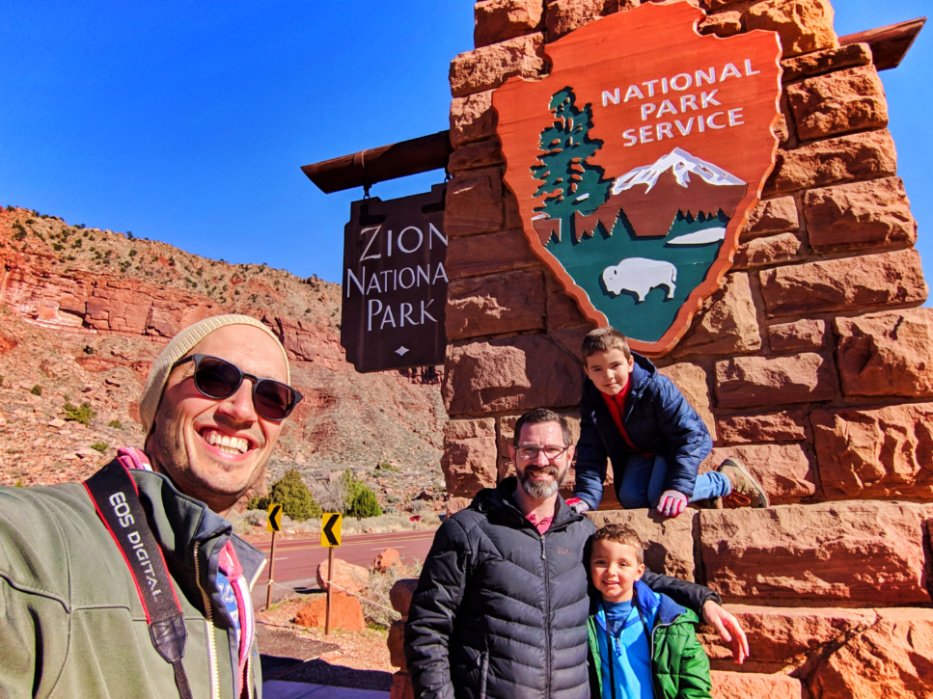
(659, 421)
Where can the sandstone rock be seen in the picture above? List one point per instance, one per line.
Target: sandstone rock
(722, 24)
(498, 20)
(803, 25)
(864, 156)
(490, 66)
(818, 62)
(488, 253)
(784, 470)
(471, 118)
(495, 304)
(751, 381)
(346, 612)
(469, 458)
(892, 658)
(401, 686)
(771, 216)
(692, 381)
(803, 335)
(730, 325)
(475, 155)
(563, 16)
(346, 577)
(396, 643)
(844, 284)
(741, 685)
(783, 426)
(668, 541)
(474, 204)
(859, 214)
(401, 593)
(386, 559)
(509, 374)
(887, 354)
(882, 452)
(837, 103)
(868, 553)
(768, 250)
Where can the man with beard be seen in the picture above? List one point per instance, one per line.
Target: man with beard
(501, 606)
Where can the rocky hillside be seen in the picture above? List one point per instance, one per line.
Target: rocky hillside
(83, 311)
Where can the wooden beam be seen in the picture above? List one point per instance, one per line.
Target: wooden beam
(373, 165)
(888, 44)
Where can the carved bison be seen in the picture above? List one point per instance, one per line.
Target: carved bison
(639, 275)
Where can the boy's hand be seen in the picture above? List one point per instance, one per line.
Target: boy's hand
(728, 628)
(672, 503)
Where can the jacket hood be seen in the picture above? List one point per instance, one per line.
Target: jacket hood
(651, 603)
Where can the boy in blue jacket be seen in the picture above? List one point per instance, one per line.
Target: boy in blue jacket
(640, 421)
(643, 645)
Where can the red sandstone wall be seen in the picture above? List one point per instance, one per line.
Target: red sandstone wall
(813, 363)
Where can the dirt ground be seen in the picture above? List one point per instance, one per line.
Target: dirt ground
(301, 654)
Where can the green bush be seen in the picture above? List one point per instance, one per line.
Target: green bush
(36, 390)
(294, 497)
(100, 446)
(79, 413)
(116, 424)
(361, 500)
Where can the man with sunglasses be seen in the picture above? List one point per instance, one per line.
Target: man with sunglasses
(134, 585)
(501, 605)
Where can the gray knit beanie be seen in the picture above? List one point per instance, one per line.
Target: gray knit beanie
(179, 347)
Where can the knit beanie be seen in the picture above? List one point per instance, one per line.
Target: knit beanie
(179, 347)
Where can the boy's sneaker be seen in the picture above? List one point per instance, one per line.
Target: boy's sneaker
(746, 490)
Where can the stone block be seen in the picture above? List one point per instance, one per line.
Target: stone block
(826, 61)
(805, 335)
(803, 25)
(771, 216)
(563, 16)
(488, 253)
(495, 304)
(837, 103)
(472, 118)
(864, 156)
(668, 541)
(498, 20)
(844, 284)
(400, 595)
(886, 354)
(851, 553)
(767, 251)
(722, 24)
(782, 426)
(874, 213)
(692, 381)
(386, 559)
(396, 643)
(745, 382)
(891, 658)
(510, 374)
(474, 155)
(741, 685)
(469, 458)
(401, 686)
(784, 470)
(488, 67)
(474, 203)
(730, 325)
(346, 577)
(872, 453)
(346, 612)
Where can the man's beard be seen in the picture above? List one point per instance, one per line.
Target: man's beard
(541, 490)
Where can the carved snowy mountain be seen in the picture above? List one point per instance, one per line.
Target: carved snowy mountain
(650, 196)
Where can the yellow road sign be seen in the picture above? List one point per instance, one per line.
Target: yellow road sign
(275, 517)
(330, 528)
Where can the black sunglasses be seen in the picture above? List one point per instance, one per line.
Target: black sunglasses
(217, 378)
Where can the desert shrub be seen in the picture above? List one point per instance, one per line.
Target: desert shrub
(377, 605)
(83, 413)
(36, 390)
(360, 501)
(100, 446)
(293, 495)
(116, 424)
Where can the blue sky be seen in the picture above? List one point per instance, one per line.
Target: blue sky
(188, 122)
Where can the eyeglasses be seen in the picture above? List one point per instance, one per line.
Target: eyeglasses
(530, 453)
(217, 378)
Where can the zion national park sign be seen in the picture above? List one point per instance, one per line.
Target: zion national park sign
(637, 159)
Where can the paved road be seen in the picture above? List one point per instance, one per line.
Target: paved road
(296, 560)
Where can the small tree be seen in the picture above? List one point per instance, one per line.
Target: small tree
(361, 500)
(293, 495)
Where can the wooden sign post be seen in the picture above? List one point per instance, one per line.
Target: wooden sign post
(330, 537)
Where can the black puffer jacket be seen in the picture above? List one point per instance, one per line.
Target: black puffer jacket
(500, 611)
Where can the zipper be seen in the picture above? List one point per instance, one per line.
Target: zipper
(208, 611)
(547, 615)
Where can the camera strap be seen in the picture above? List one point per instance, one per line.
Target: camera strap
(116, 499)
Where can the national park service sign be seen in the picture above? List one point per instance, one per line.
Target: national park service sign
(636, 161)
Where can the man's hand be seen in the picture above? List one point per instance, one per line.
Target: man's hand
(672, 503)
(728, 628)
